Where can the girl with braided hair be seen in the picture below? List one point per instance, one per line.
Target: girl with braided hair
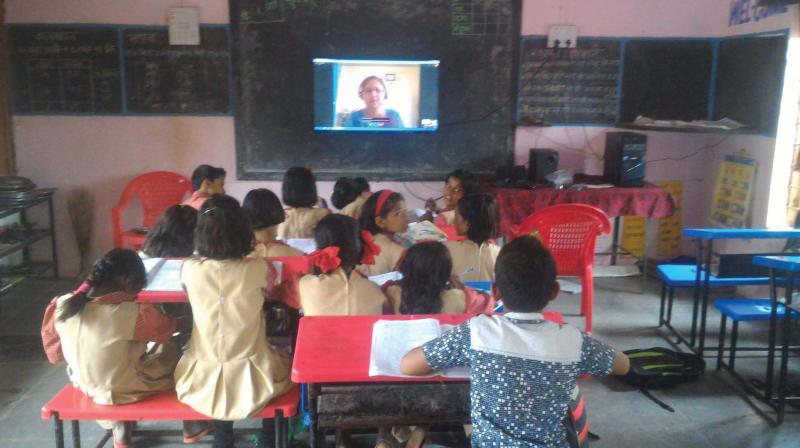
(102, 334)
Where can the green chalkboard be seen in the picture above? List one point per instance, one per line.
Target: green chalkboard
(65, 70)
(750, 80)
(275, 41)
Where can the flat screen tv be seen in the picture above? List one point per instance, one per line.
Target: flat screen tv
(358, 95)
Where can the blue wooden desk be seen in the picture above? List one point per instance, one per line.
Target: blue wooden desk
(790, 266)
(705, 248)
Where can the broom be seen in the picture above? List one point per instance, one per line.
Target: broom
(80, 205)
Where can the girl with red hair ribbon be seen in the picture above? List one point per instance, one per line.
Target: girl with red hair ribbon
(383, 215)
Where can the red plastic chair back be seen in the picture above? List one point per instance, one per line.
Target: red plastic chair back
(156, 191)
(570, 232)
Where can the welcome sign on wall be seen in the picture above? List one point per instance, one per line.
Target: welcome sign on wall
(747, 11)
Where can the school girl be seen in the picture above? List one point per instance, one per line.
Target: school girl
(300, 195)
(349, 195)
(173, 234)
(264, 214)
(383, 215)
(473, 258)
(457, 184)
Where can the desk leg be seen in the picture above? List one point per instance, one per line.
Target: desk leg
(697, 280)
(615, 241)
(53, 236)
(316, 439)
(59, 430)
(773, 322)
(76, 434)
(704, 310)
(782, 386)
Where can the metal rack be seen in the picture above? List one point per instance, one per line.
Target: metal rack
(12, 275)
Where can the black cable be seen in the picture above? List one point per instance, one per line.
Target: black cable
(502, 106)
(696, 152)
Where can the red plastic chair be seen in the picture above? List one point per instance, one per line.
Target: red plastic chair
(570, 232)
(156, 192)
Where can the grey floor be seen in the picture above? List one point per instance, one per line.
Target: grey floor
(711, 412)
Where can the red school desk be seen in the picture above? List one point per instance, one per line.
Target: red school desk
(332, 358)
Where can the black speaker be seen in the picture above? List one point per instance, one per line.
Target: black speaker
(623, 163)
(541, 162)
(510, 176)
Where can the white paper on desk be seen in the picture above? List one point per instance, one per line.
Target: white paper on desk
(420, 231)
(381, 279)
(306, 245)
(167, 277)
(392, 339)
(150, 264)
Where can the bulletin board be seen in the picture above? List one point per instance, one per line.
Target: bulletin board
(732, 193)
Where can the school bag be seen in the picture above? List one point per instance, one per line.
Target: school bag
(659, 368)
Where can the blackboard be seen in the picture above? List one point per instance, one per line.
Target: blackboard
(274, 42)
(666, 79)
(164, 78)
(750, 80)
(65, 70)
(569, 85)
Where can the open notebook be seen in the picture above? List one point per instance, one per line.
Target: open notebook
(163, 274)
(391, 339)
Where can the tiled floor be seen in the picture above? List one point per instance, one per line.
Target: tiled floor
(709, 413)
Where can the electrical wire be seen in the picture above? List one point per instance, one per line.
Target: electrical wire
(694, 153)
(502, 106)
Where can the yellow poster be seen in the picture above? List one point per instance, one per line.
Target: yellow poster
(732, 192)
(669, 228)
(634, 233)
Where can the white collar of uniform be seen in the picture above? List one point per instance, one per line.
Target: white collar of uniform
(524, 316)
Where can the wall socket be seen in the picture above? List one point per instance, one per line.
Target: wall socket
(562, 36)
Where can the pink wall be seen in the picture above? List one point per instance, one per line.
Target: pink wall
(104, 153)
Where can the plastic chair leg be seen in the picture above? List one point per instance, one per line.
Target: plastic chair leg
(587, 292)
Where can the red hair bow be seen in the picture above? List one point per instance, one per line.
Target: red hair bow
(371, 250)
(326, 259)
(83, 289)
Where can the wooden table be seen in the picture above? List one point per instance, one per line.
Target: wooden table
(332, 358)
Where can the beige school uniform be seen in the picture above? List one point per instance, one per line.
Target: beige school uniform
(387, 260)
(468, 255)
(301, 222)
(104, 360)
(353, 209)
(275, 249)
(454, 301)
(335, 294)
(229, 371)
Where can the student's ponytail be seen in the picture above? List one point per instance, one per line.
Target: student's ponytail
(124, 264)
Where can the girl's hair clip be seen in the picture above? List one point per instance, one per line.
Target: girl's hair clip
(208, 210)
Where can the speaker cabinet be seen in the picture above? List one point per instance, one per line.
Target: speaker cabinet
(541, 163)
(623, 163)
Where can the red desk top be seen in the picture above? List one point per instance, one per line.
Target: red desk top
(336, 349)
(649, 201)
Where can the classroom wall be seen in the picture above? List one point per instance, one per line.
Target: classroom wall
(104, 153)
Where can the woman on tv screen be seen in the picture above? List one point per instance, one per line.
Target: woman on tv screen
(372, 92)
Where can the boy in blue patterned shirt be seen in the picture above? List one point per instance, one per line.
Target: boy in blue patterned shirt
(523, 367)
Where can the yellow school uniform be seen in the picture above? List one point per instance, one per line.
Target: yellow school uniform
(301, 222)
(387, 260)
(275, 249)
(468, 255)
(229, 371)
(353, 209)
(336, 294)
(104, 360)
(454, 301)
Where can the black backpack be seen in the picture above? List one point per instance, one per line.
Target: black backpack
(661, 368)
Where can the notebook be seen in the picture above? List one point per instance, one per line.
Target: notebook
(392, 339)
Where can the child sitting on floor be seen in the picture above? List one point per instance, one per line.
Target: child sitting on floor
(300, 195)
(473, 258)
(522, 367)
(206, 181)
(383, 215)
(427, 286)
(338, 288)
(102, 334)
(229, 371)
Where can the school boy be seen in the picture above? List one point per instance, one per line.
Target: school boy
(523, 367)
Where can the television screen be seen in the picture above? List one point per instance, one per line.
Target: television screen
(375, 95)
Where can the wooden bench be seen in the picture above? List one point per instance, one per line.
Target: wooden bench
(70, 404)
